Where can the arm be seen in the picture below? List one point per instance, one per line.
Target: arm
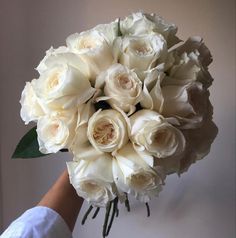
(63, 199)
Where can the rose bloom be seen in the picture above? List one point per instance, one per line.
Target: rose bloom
(31, 106)
(198, 143)
(56, 131)
(194, 44)
(186, 106)
(62, 86)
(140, 23)
(107, 130)
(92, 46)
(191, 61)
(133, 175)
(141, 52)
(93, 179)
(123, 88)
(185, 69)
(62, 56)
(151, 132)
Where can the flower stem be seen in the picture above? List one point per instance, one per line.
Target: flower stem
(117, 211)
(108, 209)
(114, 209)
(86, 215)
(127, 203)
(96, 212)
(148, 209)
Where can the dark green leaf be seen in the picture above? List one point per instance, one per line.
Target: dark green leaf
(28, 146)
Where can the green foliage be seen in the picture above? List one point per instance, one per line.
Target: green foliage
(28, 146)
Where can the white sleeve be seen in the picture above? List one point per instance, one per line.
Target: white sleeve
(38, 222)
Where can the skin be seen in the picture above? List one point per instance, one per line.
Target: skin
(63, 199)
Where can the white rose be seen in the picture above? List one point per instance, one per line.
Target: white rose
(107, 130)
(94, 48)
(184, 70)
(109, 31)
(194, 44)
(31, 106)
(63, 56)
(186, 106)
(141, 52)
(151, 132)
(134, 176)
(62, 86)
(198, 143)
(93, 180)
(168, 30)
(56, 131)
(189, 104)
(139, 23)
(122, 87)
(191, 61)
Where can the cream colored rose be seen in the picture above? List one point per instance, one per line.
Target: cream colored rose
(185, 69)
(151, 132)
(56, 131)
(31, 106)
(198, 143)
(107, 130)
(196, 44)
(190, 64)
(62, 86)
(141, 52)
(134, 176)
(93, 180)
(62, 56)
(94, 49)
(189, 104)
(122, 87)
(109, 31)
(140, 23)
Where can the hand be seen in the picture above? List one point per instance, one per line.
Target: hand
(63, 199)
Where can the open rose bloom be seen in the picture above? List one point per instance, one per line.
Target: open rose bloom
(130, 101)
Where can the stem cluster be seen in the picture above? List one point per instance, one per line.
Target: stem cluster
(112, 211)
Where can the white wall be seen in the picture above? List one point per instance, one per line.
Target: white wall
(199, 204)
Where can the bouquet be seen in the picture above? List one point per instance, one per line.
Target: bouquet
(130, 101)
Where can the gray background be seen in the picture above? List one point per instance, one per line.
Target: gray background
(199, 204)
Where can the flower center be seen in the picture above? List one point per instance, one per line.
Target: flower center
(160, 137)
(142, 49)
(53, 80)
(87, 43)
(163, 138)
(125, 82)
(54, 129)
(104, 133)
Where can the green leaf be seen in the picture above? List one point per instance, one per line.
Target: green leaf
(28, 146)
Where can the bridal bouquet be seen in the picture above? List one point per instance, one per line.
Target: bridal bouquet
(130, 101)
